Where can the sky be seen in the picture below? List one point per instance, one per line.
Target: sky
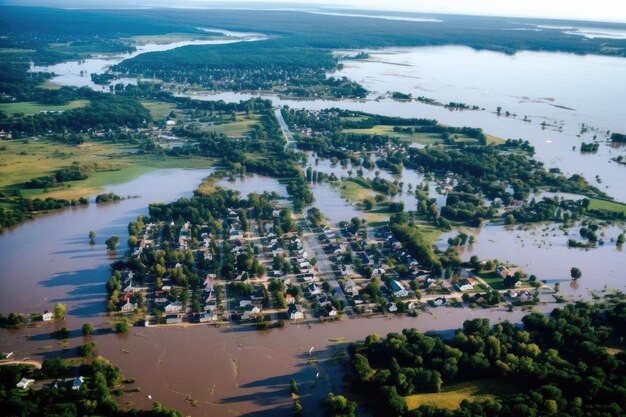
(599, 10)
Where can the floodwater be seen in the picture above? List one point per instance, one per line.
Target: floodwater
(254, 183)
(50, 260)
(567, 91)
(78, 73)
(542, 250)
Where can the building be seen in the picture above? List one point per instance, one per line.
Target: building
(78, 382)
(128, 307)
(174, 307)
(465, 284)
(47, 315)
(24, 383)
(250, 312)
(503, 271)
(295, 312)
(398, 289)
(206, 317)
(173, 318)
(391, 307)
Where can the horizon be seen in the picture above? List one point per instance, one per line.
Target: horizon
(531, 9)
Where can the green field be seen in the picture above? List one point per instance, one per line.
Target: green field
(158, 109)
(423, 138)
(29, 107)
(451, 396)
(237, 129)
(172, 37)
(596, 204)
(354, 192)
(111, 164)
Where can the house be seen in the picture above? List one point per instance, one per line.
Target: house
(78, 382)
(47, 315)
(290, 300)
(378, 271)
(465, 284)
(308, 277)
(128, 307)
(391, 307)
(503, 271)
(174, 307)
(398, 289)
(245, 302)
(250, 312)
(173, 318)
(206, 317)
(24, 383)
(439, 301)
(314, 289)
(365, 260)
(276, 213)
(332, 312)
(295, 312)
(351, 288)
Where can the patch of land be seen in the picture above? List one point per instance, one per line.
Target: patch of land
(451, 396)
(158, 109)
(421, 138)
(597, 204)
(108, 164)
(30, 107)
(239, 128)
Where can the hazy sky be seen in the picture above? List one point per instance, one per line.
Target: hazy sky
(602, 10)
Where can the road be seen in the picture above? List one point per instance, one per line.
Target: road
(324, 266)
(284, 128)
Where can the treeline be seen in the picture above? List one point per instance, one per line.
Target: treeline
(558, 365)
(104, 112)
(248, 66)
(489, 171)
(18, 209)
(101, 379)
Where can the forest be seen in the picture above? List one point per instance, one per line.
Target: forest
(555, 365)
(102, 381)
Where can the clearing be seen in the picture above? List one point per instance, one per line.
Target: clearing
(451, 396)
(31, 107)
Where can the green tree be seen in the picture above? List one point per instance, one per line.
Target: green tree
(87, 329)
(121, 326)
(576, 273)
(112, 242)
(59, 311)
(92, 237)
(86, 349)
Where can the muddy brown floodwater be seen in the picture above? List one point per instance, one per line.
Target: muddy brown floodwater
(236, 370)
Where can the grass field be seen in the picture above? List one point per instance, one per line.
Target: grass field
(171, 37)
(29, 107)
(237, 129)
(158, 109)
(21, 162)
(354, 192)
(607, 205)
(451, 396)
(423, 138)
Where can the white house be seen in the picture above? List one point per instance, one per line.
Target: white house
(295, 312)
(250, 312)
(174, 307)
(398, 289)
(24, 382)
(391, 307)
(128, 307)
(466, 284)
(47, 315)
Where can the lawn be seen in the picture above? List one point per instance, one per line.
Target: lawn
(236, 129)
(451, 396)
(112, 164)
(598, 204)
(423, 138)
(158, 109)
(30, 107)
(354, 192)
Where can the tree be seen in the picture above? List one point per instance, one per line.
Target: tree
(86, 349)
(112, 242)
(121, 326)
(294, 386)
(59, 311)
(297, 408)
(92, 237)
(576, 273)
(620, 240)
(87, 329)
